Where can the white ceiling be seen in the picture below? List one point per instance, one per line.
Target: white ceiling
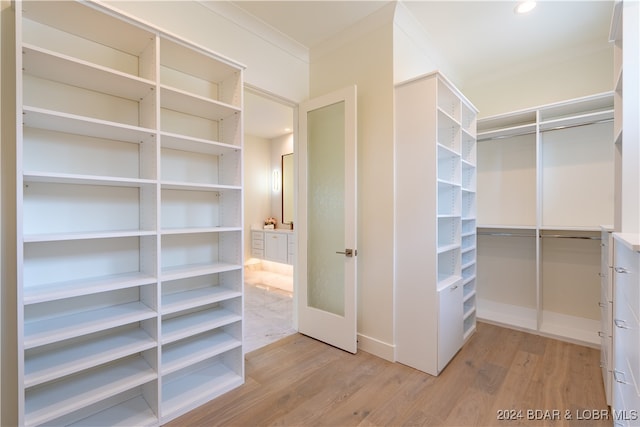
(479, 36)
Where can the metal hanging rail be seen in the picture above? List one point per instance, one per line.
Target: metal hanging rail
(491, 138)
(568, 236)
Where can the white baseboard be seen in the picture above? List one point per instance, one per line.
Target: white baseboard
(376, 347)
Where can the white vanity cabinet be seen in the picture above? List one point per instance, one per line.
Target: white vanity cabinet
(276, 247)
(435, 243)
(626, 329)
(273, 245)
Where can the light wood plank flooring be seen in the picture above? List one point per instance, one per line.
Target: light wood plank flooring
(298, 381)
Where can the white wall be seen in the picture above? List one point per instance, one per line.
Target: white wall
(413, 51)
(531, 84)
(257, 186)
(364, 57)
(269, 67)
(541, 83)
(8, 298)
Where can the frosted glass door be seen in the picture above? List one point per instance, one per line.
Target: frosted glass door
(325, 213)
(327, 216)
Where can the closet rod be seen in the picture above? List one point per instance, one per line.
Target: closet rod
(555, 236)
(567, 236)
(489, 233)
(531, 132)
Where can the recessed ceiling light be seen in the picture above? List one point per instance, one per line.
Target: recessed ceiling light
(525, 6)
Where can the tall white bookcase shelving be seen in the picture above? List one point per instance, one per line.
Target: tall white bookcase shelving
(435, 246)
(539, 234)
(129, 206)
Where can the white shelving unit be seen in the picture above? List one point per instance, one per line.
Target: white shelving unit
(554, 166)
(129, 205)
(435, 222)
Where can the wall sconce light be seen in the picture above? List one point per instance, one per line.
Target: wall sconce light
(275, 181)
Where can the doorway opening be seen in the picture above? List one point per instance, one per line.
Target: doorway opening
(270, 309)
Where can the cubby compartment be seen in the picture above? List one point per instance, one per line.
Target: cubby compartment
(469, 305)
(448, 199)
(198, 117)
(448, 132)
(448, 101)
(76, 206)
(190, 209)
(194, 349)
(192, 161)
(469, 324)
(468, 204)
(199, 73)
(448, 232)
(60, 359)
(468, 271)
(77, 30)
(468, 177)
(69, 397)
(448, 165)
(468, 257)
(189, 292)
(60, 269)
(188, 323)
(137, 406)
(53, 321)
(469, 288)
(59, 154)
(448, 267)
(469, 149)
(468, 227)
(200, 253)
(98, 103)
(469, 124)
(201, 382)
(468, 241)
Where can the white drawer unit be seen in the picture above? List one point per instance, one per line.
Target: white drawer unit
(626, 325)
(273, 245)
(257, 244)
(291, 243)
(606, 310)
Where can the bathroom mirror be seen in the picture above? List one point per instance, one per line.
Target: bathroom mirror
(287, 188)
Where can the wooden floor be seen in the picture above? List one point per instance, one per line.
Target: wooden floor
(301, 382)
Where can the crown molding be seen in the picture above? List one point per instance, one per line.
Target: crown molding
(256, 26)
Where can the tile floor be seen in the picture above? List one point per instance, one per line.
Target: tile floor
(268, 308)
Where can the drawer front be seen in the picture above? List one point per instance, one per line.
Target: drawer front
(257, 235)
(257, 244)
(257, 253)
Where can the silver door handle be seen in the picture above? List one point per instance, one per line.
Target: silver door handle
(349, 252)
(621, 270)
(620, 323)
(617, 374)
